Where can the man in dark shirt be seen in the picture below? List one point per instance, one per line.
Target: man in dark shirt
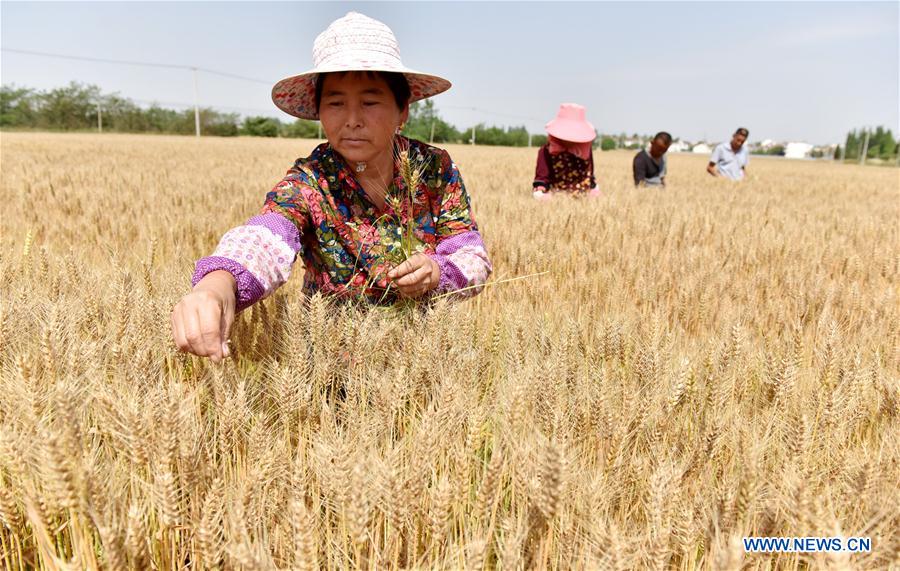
(650, 167)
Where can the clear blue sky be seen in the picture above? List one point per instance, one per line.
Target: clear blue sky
(791, 70)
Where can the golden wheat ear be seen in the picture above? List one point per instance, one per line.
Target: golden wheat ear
(640, 403)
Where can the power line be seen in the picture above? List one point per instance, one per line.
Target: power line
(139, 63)
(185, 104)
(489, 112)
(192, 69)
(223, 74)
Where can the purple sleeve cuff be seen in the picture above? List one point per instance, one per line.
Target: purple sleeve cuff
(451, 277)
(249, 290)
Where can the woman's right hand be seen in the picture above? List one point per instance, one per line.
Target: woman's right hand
(540, 193)
(202, 320)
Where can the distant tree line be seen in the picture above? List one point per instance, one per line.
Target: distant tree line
(774, 150)
(882, 144)
(75, 107)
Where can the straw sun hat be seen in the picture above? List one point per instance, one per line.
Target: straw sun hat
(352, 43)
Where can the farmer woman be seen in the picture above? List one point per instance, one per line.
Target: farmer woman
(345, 208)
(565, 163)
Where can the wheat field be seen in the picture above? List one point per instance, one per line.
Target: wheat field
(697, 365)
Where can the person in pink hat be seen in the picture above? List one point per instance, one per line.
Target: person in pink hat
(566, 163)
(347, 211)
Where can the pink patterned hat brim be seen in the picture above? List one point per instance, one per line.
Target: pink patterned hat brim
(296, 95)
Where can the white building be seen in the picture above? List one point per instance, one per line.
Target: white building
(797, 150)
(679, 147)
(701, 149)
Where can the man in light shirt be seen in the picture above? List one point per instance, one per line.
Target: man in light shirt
(730, 159)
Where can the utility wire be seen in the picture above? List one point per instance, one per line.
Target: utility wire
(223, 74)
(491, 112)
(139, 63)
(185, 104)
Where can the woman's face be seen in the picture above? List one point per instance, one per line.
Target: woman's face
(359, 115)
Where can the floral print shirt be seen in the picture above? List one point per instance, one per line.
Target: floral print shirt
(564, 171)
(320, 213)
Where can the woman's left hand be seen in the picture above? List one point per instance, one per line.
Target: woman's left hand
(416, 276)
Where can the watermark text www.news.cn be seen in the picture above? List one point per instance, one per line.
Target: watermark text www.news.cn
(807, 544)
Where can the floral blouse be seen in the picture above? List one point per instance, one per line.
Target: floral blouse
(348, 244)
(563, 171)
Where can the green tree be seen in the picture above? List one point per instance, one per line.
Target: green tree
(516, 137)
(882, 144)
(852, 146)
(218, 124)
(17, 106)
(301, 129)
(75, 107)
(505, 136)
(490, 136)
(466, 135)
(607, 143)
(70, 107)
(260, 127)
(122, 115)
(425, 120)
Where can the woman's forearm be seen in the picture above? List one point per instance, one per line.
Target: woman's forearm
(258, 256)
(219, 281)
